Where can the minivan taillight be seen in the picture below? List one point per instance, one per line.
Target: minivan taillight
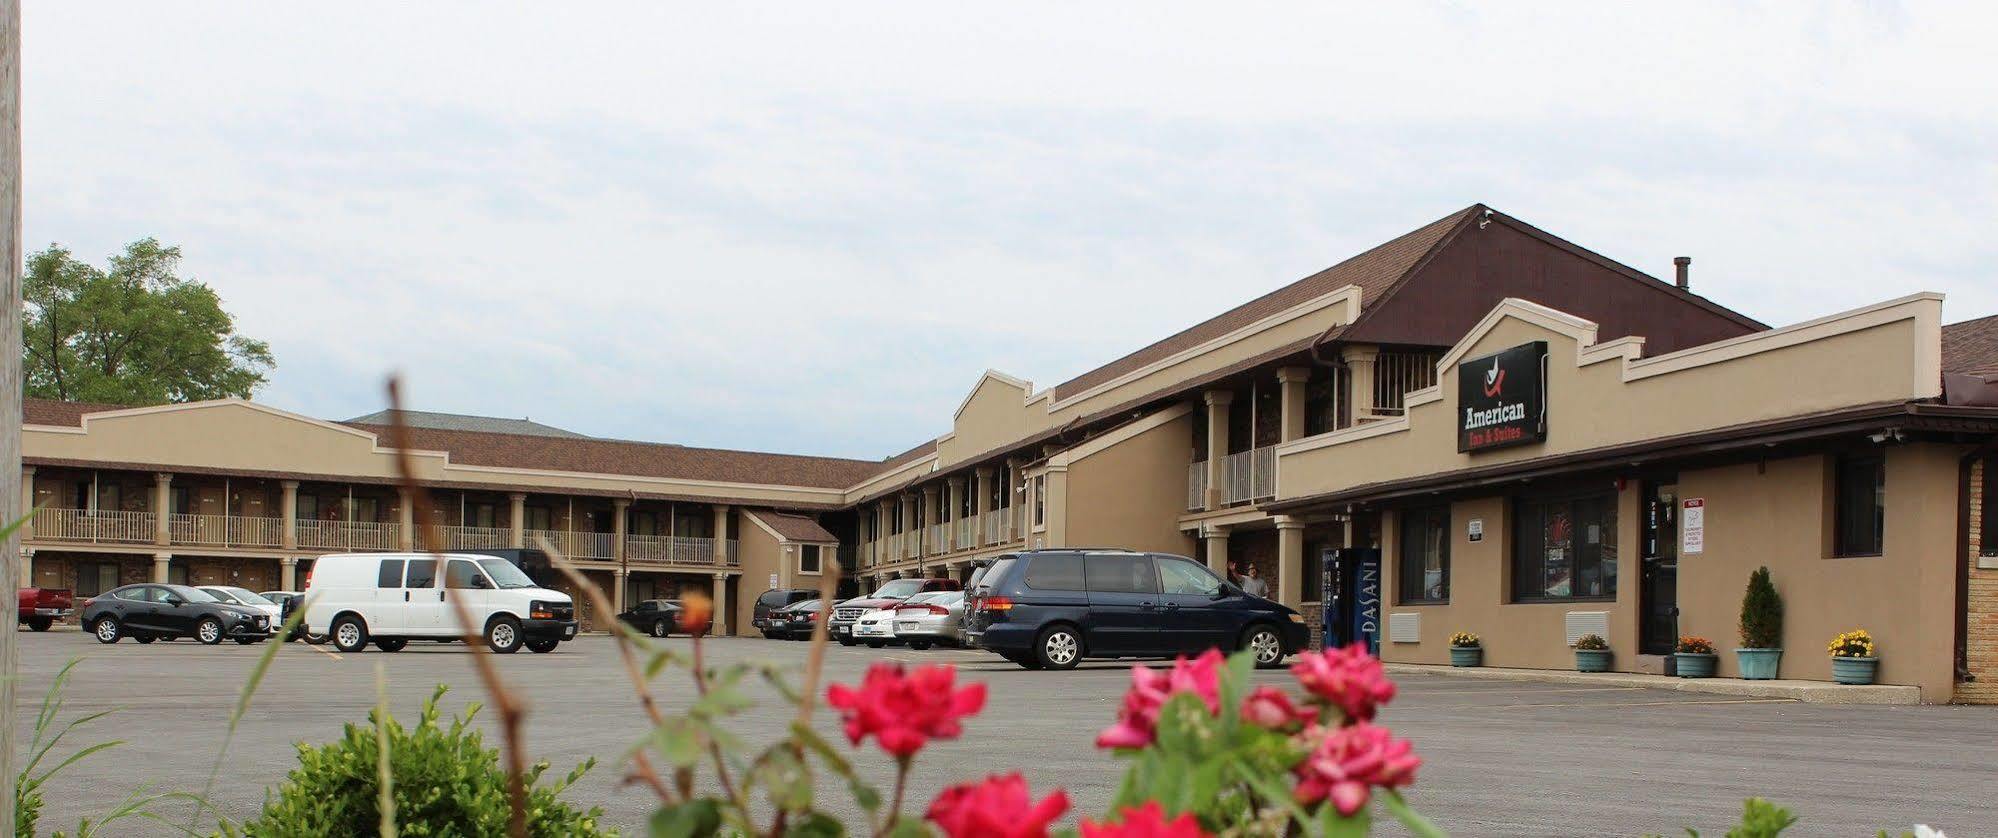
(996, 603)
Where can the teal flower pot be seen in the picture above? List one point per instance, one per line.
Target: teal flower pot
(1694, 664)
(1758, 664)
(1854, 670)
(1467, 655)
(1592, 660)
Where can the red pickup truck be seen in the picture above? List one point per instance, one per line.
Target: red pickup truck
(41, 607)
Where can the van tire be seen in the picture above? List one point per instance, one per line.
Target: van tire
(1266, 643)
(503, 635)
(919, 645)
(390, 644)
(348, 634)
(144, 638)
(1059, 647)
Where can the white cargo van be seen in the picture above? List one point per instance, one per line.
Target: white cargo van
(392, 598)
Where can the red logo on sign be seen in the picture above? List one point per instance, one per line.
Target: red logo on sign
(1494, 380)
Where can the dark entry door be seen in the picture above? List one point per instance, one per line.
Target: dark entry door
(1658, 589)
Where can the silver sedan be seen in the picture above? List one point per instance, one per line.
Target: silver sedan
(926, 619)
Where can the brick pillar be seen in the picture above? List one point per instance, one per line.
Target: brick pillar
(1217, 445)
(1290, 562)
(163, 508)
(1292, 381)
(518, 522)
(1360, 361)
(289, 538)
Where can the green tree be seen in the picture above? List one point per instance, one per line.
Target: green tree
(131, 333)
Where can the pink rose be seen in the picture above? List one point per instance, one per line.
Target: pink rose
(1137, 719)
(903, 711)
(1270, 707)
(1349, 679)
(1348, 762)
(1000, 807)
(1147, 821)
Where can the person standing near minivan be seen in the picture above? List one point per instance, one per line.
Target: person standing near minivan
(1252, 582)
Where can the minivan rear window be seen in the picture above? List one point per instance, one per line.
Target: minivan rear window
(390, 574)
(1059, 572)
(996, 573)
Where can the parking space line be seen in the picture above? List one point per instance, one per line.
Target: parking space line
(1595, 704)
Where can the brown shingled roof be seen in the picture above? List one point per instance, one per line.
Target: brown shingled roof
(1374, 271)
(52, 412)
(1971, 347)
(639, 459)
(793, 527)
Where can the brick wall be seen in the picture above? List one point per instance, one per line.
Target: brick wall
(1314, 615)
(1982, 621)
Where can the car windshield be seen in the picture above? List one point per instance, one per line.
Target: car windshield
(245, 596)
(192, 594)
(899, 589)
(504, 574)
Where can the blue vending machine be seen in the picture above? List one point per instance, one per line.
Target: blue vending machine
(1351, 592)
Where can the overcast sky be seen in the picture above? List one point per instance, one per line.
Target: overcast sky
(809, 228)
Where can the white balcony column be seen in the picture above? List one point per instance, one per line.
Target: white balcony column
(954, 503)
(1292, 380)
(620, 510)
(163, 508)
(162, 561)
(289, 538)
(27, 510)
(905, 517)
(405, 513)
(517, 526)
(619, 577)
(721, 537)
(27, 567)
(1017, 499)
(723, 619)
(930, 517)
(1217, 445)
(1360, 367)
(981, 505)
(1290, 561)
(288, 573)
(1217, 550)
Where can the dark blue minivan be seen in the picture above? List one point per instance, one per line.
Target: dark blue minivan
(1049, 609)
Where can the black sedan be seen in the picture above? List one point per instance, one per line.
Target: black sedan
(149, 612)
(794, 621)
(656, 617)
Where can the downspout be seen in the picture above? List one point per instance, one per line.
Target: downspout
(1963, 547)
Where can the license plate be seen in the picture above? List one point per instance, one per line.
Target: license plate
(568, 631)
(842, 629)
(908, 625)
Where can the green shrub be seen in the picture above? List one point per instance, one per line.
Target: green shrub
(446, 782)
(1761, 613)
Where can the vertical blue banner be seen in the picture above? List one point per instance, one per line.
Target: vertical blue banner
(1367, 599)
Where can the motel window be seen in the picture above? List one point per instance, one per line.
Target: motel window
(539, 518)
(363, 509)
(1860, 496)
(1423, 572)
(480, 515)
(808, 558)
(308, 508)
(1040, 500)
(1321, 402)
(1564, 547)
(94, 578)
(1987, 519)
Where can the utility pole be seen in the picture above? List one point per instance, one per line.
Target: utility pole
(10, 367)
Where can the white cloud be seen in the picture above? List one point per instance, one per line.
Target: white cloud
(808, 228)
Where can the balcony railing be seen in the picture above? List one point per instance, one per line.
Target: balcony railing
(999, 525)
(575, 545)
(1196, 486)
(939, 542)
(1249, 475)
(95, 526)
(675, 549)
(470, 538)
(225, 531)
(967, 533)
(350, 535)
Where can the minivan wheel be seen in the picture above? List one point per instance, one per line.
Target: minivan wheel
(1058, 648)
(350, 634)
(1265, 644)
(208, 631)
(106, 630)
(503, 635)
(658, 628)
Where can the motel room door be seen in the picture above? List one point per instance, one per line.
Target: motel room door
(1658, 585)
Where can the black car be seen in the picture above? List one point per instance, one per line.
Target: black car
(772, 600)
(794, 621)
(656, 617)
(149, 612)
(1049, 609)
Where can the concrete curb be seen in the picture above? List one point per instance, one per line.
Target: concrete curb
(1810, 692)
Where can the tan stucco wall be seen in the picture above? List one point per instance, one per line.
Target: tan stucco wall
(236, 435)
(1772, 514)
(762, 555)
(1593, 406)
(994, 415)
(1131, 494)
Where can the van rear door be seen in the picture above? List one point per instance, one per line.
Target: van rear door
(391, 602)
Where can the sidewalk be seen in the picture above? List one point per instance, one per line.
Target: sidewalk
(1811, 692)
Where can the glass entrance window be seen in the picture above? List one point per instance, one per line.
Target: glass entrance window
(1564, 547)
(1861, 499)
(1423, 573)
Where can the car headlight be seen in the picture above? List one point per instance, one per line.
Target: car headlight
(538, 610)
(1297, 618)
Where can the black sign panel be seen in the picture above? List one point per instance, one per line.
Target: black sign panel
(1502, 399)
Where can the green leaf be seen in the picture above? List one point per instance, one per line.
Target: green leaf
(679, 742)
(1235, 684)
(695, 818)
(816, 825)
(910, 828)
(1417, 824)
(1331, 825)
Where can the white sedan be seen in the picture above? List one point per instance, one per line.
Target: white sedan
(245, 596)
(875, 628)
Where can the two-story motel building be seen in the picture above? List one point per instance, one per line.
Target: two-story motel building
(1321, 415)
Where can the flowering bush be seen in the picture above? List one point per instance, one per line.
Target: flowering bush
(1591, 643)
(1695, 645)
(1852, 644)
(1463, 639)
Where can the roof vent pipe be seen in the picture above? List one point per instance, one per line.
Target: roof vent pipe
(1681, 265)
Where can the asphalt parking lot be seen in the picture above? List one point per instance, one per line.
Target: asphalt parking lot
(1501, 758)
